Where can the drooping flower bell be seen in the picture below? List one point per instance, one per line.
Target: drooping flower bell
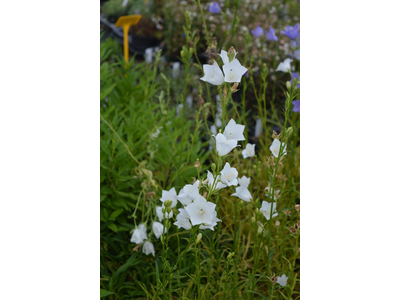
(257, 32)
(213, 74)
(214, 8)
(276, 145)
(271, 34)
(139, 234)
(249, 151)
(266, 209)
(148, 248)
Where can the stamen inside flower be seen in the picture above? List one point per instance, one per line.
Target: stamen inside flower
(232, 75)
(201, 211)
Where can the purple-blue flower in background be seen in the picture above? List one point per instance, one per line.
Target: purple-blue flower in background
(292, 32)
(297, 54)
(214, 8)
(296, 105)
(257, 32)
(295, 75)
(271, 34)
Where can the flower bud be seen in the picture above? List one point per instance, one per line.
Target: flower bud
(253, 219)
(198, 237)
(231, 53)
(260, 230)
(213, 166)
(167, 203)
(288, 85)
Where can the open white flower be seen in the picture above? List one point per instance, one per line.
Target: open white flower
(219, 184)
(282, 280)
(139, 234)
(160, 214)
(249, 151)
(169, 195)
(201, 211)
(189, 193)
(229, 175)
(244, 181)
(213, 222)
(285, 65)
(148, 248)
(158, 229)
(233, 71)
(243, 193)
(266, 209)
(234, 131)
(224, 146)
(213, 74)
(182, 219)
(225, 58)
(276, 144)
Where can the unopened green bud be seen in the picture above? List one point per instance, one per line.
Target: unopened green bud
(253, 219)
(260, 230)
(182, 53)
(288, 85)
(213, 166)
(167, 203)
(288, 132)
(198, 237)
(187, 17)
(231, 53)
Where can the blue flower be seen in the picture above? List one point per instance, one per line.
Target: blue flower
(257, 32)
(295, 75)
(296, 105)
(297, 54)
(292, 32)
(271, 34)
(214, 8)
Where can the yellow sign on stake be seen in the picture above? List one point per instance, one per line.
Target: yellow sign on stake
(125, 22)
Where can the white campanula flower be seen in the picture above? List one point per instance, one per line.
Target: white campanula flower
(249, 151)
(158, 229)
(182, 219)
(160, 214)
(213, 74)
(224, 146)
(201, 211)
(282, 280)
(266, 209)
(139, 234)
(276, 144)
(169, 195)
(233, 71)
(242, 191)
(285, 65)
(219, 184)
(229, 175)
(189, 193)
(148, 248)
(234, 131)
(213, 222)
(244, 181)
(225, 58)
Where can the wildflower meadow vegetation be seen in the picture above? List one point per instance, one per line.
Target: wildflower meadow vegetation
(200, 159)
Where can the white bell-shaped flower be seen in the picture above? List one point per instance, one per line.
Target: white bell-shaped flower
(189, 193)
(139, 234)
(285, 65)
(233, 71)
(169, 195)
(158, 229)
(213, 74)
(148, 248)
(243, 193)
(212, 224)
(234, 131)
(218, 185)
(266, 209)
(224, 56)
(276, 144)
(282, 280)
(224, 146)
(249, 151)
(182, 219)
(229, 175)
(201, 211)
